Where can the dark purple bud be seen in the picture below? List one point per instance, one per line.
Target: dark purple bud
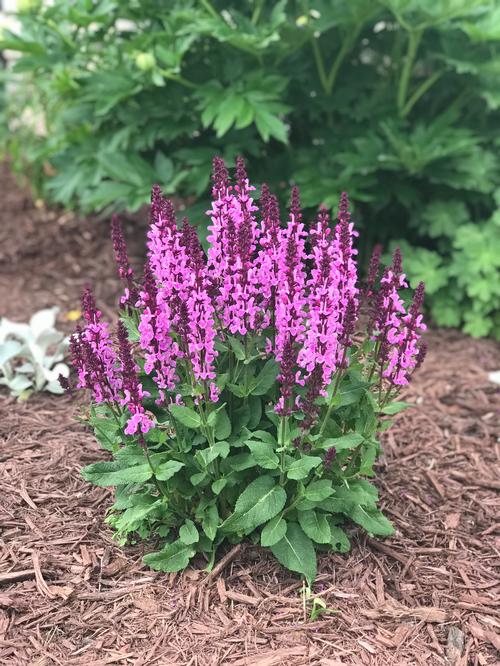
(344, 214)
(373, 269)
(295, 209)
(418, 301)
(422, 352)
(90, 312)
(128, 368)
(162, 210)
(329, 457)
(149, 287)
(397, 262)
(241, 173)
(348, 324)
(220, 177)
(314, 387)
(120, 249)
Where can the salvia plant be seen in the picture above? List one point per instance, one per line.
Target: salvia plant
(245, 388)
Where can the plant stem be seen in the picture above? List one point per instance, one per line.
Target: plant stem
(281, 443)
(334, 392)
(421, 90)
(414, 38)
(320, 65)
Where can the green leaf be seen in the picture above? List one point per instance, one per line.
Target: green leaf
(264, 454)
(266, 378)
(237, 347)
(210, 521)
(315, 525)
(339, 540)
(372, 520)
(208, 455)
(295, 551)
(174, 557)
(218, 486)
(223, 424)
(110, 474)
(359, 491)
(300, 469)
(395, 407)
(317, 491)
(188, 533)
(167, 470)
(186, 416)
(258, 503)
(349, 441)
(273, 532)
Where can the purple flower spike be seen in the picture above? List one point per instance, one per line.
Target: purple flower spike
(126, 273)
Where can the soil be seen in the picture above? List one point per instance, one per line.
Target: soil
(69, 595)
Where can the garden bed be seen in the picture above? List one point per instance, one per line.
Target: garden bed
(70, 595)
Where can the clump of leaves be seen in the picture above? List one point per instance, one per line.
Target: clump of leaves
(31, 354)
(462, 276)
(239, 400)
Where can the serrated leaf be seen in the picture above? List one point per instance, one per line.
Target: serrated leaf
(237, 347)
(257, 504)
(295, 551)
(300, 469)
(315, 525)
(264, 454)
(273, 532)
(110, 474)
(188, 533)
(167, 470)
(186, 416)
(174, 557)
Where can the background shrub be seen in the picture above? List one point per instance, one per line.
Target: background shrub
(395, 101)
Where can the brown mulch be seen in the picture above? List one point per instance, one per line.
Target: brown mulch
(70, 595)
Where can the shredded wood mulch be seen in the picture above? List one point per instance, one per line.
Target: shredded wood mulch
(69, 595)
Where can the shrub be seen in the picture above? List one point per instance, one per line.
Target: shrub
(31, 354)
(241, 401)
(395, 101)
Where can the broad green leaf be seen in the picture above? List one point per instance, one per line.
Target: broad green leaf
(186, 416)
(167, 470)
(241, 461)
(358, 491)
(372, 520)
(188, 533)
(273, 532)
(295, 551)
(317, 491)
(218, 486)
(110, 474)
(395, 407)
(264, 454)
(266, 378)
(315, 525)
(237, 347)
(339, 539)
(258, 503)
(174, 557)
(300, 469)
(349, 441)
(208, 455)
(210, 521)
(223, 424)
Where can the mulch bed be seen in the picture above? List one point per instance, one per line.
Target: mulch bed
(70, 595)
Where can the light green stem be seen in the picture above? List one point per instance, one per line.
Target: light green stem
(414, 38)
(421, 90)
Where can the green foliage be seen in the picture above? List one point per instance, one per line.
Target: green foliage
(462, 278)
(189, 490)
(396, 102)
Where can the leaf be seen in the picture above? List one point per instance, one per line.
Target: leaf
(372, 520)
(339, 539)
(167, 470)
(186, 416)
(317, 491)
(210, 521)
(349, 441)
(266, 378)
(258, 503)
(237, 347)
(174, 557)
(264, 454)
(223, 424)
(315, 525)
(218, 486)
(208, 455)
(359, 491)
(273, 532)
(395, 407)
(188, 533)
(110, 474)
(300, 469)
(295, 551)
